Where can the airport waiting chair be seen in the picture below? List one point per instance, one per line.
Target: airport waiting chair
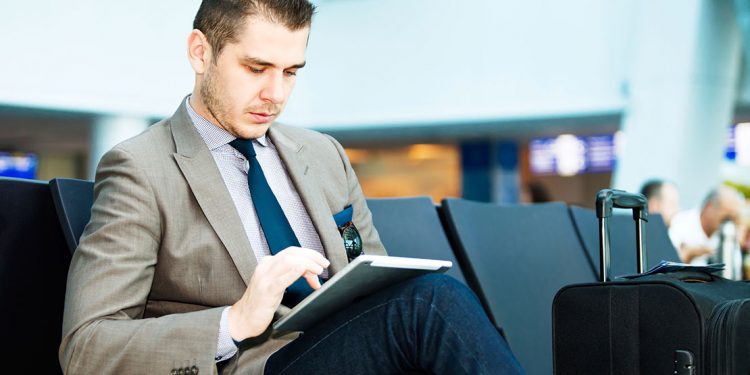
(622, 240)
(73, 199)
(410, 227)
(518, 256)
(33, 272)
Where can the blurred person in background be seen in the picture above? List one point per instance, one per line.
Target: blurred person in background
(535, 192)
(663, 199)
(694, 232)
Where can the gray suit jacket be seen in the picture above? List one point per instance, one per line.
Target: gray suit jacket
(165, 250)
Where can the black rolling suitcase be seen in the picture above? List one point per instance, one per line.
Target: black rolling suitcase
(682, 322)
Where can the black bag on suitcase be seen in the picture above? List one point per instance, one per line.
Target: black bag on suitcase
(671, 323)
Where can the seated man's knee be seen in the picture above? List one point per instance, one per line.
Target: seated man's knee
(435, 286)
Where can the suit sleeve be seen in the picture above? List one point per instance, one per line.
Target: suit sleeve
(109, 281)
(362, 217)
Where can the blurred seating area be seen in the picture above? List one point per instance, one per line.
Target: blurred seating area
(514, 257)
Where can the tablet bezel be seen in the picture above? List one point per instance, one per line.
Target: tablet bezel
(347, 281)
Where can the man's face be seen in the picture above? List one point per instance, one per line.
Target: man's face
(727, 207)
(246, 87)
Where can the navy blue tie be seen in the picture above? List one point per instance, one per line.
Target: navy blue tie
(279, 234)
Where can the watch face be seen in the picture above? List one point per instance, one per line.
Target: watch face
(352, 241)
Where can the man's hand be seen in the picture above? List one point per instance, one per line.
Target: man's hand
(688, 253)
(251, 315)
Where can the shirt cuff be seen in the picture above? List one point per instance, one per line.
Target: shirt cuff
(225, 347)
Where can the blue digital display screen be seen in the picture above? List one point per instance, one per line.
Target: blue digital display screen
(730, 150)
(19, 165)
(569, 155)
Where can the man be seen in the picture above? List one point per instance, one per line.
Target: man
(179, 271)
(534, 192)
(663, 198)
(694, 232)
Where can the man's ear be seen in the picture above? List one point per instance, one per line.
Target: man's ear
(199, 51)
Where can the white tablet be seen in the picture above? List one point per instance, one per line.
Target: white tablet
(364, 275)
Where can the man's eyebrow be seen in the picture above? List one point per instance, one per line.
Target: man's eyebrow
(256, 61)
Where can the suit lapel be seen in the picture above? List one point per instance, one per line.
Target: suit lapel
(205, 180)
(295, 156)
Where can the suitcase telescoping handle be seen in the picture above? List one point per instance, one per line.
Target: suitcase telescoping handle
(606, 199)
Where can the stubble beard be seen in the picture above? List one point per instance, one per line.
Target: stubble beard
(214, 105)
(221, 111)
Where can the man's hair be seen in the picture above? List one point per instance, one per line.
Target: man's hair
(716, 194)
(221, 20)
(652, 188)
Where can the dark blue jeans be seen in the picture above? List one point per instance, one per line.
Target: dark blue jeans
(430, 324)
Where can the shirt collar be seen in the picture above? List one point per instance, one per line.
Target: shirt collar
(213, 135)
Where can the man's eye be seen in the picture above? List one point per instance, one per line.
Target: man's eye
(254, 70)
(290, 73)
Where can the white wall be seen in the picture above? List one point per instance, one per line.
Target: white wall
(395, 61)
(121, 57)
(369, 61)
(683, 88)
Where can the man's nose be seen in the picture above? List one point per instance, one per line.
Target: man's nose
(273, 89)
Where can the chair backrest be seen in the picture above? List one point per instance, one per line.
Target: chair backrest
(410, 227)
(622, 240)
(33, 272)
(73, 199)
(519, 256)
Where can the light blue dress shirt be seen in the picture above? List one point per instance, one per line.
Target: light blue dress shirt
(233, 168)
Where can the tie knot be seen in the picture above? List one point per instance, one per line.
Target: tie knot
(244, 146)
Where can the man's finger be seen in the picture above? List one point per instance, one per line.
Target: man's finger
(307, 253)
(287, 270)
(313, 280)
